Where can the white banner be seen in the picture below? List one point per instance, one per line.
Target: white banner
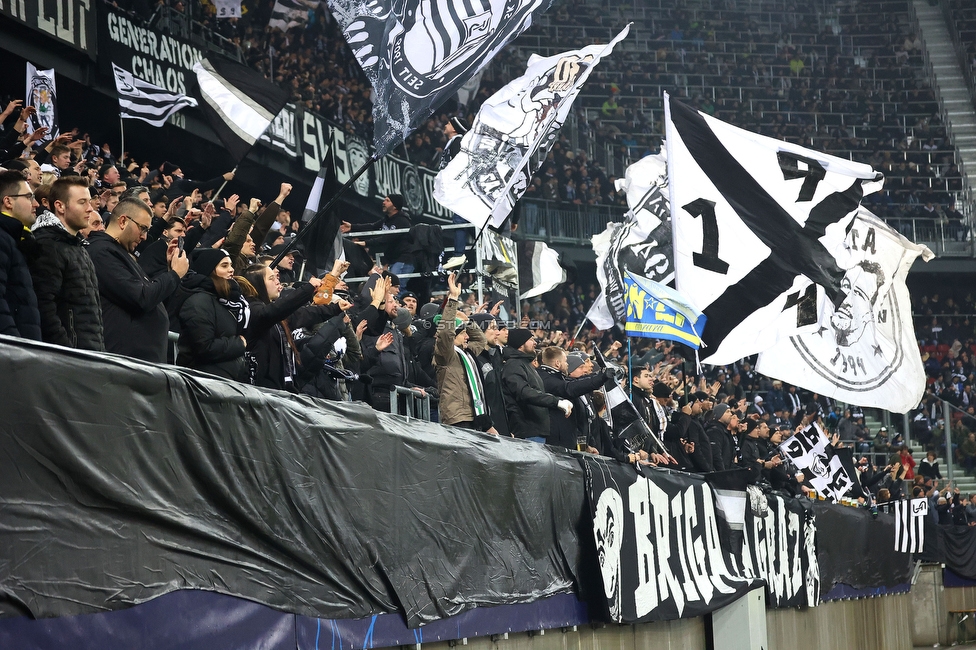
(866, 352)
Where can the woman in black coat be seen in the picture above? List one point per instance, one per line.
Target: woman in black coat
(214, 317)
(274, 360)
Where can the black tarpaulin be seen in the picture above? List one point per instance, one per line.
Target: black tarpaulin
(856, 549)
(121, 481)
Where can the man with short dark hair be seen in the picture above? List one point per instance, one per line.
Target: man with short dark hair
(64, 277)
(136, 322)
(19, 315)
(526, 400)
(564, 432)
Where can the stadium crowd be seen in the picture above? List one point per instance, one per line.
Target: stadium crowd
(112, 256)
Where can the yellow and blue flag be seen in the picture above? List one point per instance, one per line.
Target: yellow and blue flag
(657, 311)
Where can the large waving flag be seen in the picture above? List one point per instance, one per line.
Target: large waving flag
(141, 100)
(640, 244)
(539, 269)
(866, 352)
(657, 311)
(512, 134)
(418, 53)
(239, 103)
(759, 225)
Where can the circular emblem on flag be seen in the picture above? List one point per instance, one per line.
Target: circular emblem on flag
(862, 344)
(413, 190)
(357, 155)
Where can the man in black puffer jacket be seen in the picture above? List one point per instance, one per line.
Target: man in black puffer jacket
(63, 273)
(18, 303)
(526, 399)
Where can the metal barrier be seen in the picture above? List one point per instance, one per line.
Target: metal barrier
(415, 404)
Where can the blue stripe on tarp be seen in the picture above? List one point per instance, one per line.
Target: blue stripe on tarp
(841, 591)
(202, 620)
(952, 579)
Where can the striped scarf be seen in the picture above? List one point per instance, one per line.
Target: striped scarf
(475, 387)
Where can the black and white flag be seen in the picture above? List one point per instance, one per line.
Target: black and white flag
(239, 103)
(910, 525)
(829, 471)
(512, 133)
(539, 269)
(866, 353)
(663, 547)
(42, 94)
(291, 13)
(759, 230)
(641, 244)
(500, 258)
(141, 100)
(417, 54)
(323, 245)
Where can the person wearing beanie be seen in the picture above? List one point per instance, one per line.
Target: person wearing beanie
(752, 453)
(526, 400)
(213, 317)
(719, 431)
(463, 399)
(572, 431)
(652, 399)
(686, 439)
(490, 363)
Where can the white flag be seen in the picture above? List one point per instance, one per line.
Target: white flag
(759, 225)
(866, 353)
(539, 269)
(141, 100)
(42, 94)
(641, 244)
(910, 525)
(512, 134)
(290, 13)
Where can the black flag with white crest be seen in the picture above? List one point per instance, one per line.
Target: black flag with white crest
(418, 53)
(238, 102)
(759, 227)
(662, 546)
(910, 525)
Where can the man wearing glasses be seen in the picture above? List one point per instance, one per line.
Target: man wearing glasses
(18, 303)
(135, 320)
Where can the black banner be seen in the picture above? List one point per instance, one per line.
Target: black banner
(150, 55)
(856, 549)
(664, 551)
(68, 21)
(121, 481)
(781, 548)
(953, 546)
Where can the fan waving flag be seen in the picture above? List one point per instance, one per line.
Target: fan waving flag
(418, 53)
(866, 353)
(759, 225)
(239, 103)
(512, 134)
(141, 100)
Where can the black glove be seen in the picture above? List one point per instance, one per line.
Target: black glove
(609, 373)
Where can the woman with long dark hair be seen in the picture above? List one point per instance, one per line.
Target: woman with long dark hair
(274, 361)
(214, 317)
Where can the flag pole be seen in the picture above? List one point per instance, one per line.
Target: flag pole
(630, 371)
(578, 330)
(224, 184)
(121, 158)
(328, 206)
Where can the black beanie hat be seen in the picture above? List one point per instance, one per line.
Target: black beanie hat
(517, 337)
(205, 260)
(459, 126)
(661, 389)
(168, 168)
(396, 200)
